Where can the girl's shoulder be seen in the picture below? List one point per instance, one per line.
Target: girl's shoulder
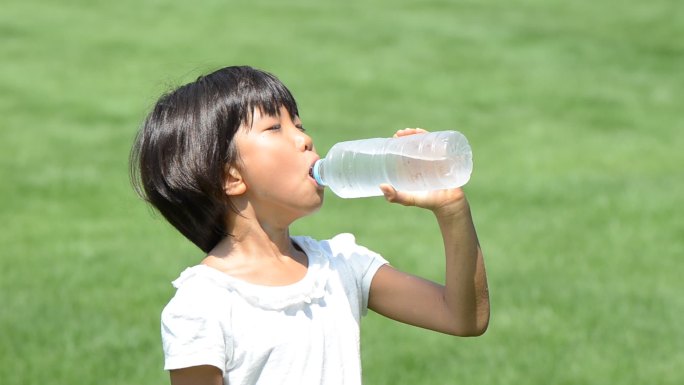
(201, 278)
(198, 301)
(199, 286)
(342, 249)
(340, 244)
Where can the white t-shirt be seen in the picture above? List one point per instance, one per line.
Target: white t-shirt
(304, 333)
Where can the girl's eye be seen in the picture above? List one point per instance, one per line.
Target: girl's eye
(301, 128)
(275, 127)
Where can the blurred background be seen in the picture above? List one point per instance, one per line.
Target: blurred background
(574, 110)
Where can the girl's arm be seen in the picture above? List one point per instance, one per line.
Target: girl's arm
(197, 375)
(461, 306)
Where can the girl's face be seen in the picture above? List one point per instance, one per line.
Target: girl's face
(275, 156)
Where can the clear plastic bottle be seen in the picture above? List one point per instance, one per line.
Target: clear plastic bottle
(419, 162)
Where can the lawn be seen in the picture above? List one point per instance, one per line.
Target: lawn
(573, 110)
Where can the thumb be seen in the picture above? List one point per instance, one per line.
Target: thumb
(394, 196)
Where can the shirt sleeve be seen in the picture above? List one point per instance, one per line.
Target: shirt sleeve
(193, 331)
(363, 262)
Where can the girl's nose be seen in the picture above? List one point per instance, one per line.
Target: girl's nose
(304, 142)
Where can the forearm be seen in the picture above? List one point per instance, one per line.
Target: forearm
(465, 294)
(461, 306)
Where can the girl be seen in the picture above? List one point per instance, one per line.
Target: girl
(226, 160)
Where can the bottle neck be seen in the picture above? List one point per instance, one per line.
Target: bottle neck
(316, 172)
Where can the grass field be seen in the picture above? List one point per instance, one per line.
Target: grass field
(574, 110)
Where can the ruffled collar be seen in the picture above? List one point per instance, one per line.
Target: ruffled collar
(307, 290)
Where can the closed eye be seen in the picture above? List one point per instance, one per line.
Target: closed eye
(274, 127)
(301, 128)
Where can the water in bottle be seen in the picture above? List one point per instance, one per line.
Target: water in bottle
(419, 162)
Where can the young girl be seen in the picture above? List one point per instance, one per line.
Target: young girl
(226, 160)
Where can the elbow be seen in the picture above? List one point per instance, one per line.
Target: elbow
(482, 322)
(475, 330)
(473, 327)
(481, 327)
(478, 330)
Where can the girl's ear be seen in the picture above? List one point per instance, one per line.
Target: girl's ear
(234, 184)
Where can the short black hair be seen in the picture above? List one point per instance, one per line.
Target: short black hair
(180, 154)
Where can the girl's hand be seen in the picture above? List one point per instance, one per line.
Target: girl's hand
(441, 202)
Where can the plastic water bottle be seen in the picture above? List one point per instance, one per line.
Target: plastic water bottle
(419, 162)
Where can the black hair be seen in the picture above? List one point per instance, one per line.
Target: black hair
(179, 157)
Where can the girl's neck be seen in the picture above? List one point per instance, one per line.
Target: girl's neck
(259, 256)
(252, 238)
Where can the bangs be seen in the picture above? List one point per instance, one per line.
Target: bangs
(267, 94)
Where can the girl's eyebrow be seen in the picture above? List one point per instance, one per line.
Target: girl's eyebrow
(257, 116)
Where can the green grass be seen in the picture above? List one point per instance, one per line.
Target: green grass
(573, 109)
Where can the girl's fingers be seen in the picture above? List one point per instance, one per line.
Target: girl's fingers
(394, 196)
(426, 199)
(409, 131)
(389, 192)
